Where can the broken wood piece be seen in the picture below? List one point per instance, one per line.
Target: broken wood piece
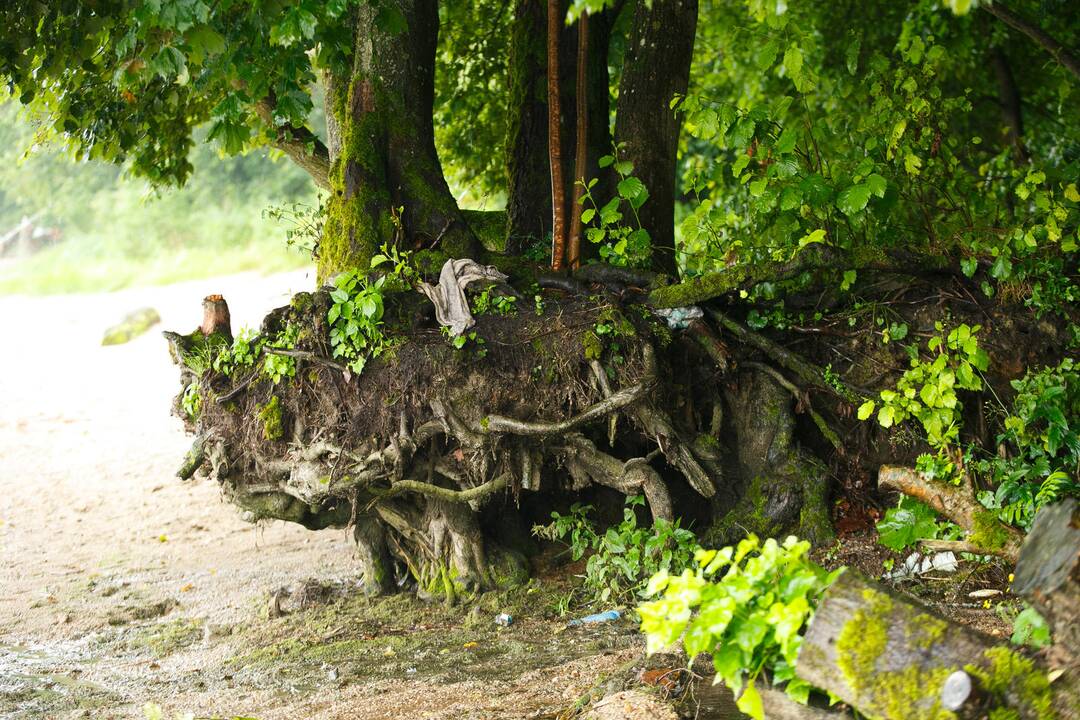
(985, 532)
(890, 658)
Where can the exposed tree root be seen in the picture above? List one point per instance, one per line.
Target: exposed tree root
(422, 452)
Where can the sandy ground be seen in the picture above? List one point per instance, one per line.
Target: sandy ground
(106, 558)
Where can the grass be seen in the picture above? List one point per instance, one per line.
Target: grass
(62, 269)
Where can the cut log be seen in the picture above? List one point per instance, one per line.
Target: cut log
(1048, 575)
(216, 317)
(957, 504)
(890, 658)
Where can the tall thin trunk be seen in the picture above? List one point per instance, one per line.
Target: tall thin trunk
(1009, 97)
(387, 171)
(558, 190)
(656, 68)
(581, 143)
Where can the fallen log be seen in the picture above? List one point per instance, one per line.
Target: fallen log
(956, 503)
(890, 658)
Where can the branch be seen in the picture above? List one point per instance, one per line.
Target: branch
(956, 504)
(301, 145)
(1059, 52)
(807, 373)
(803, 399)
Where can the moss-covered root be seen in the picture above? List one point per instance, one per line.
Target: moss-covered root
(376, 563)
(784, 489)
(889, 659)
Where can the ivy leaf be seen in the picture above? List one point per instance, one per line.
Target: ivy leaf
(750, 702)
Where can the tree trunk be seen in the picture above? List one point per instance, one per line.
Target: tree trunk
(528, 205)
(387, 161)
(657, 67)
(555, 142)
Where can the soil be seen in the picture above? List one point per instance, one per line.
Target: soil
(120, 585)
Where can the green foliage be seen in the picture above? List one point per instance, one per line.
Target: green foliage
(927, 391)
(911, 521)
(355, 318)
(466, 340)
(1042, 432)
(808, 126)
(626, 555)
(279, 367)
(621, 244)
(142, 76)
(305, 224)
(245, 350)
(486, 303)
(747, 606)
(191, 401)
(1030, 628)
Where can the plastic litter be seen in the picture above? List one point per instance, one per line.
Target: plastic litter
(504, 620)
(596, 618)
(680, 318)
(916, 564)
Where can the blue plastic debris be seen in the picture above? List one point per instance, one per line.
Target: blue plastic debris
(597, 618)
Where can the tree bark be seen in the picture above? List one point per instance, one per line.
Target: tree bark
(558, 188)
(581, 122)
(528, 203)
(387, 161)
(1009, 97)
(657, 67)
(1048, 575)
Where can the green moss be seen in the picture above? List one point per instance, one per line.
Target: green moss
(988, 532)
(166, 638)
(270, 416)
(698, 289)
(1007, 672)
(489, 227)
(594, 348)
(895, 695)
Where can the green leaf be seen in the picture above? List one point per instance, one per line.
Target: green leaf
(787, 140)
(632, 189)
(750, 702)
(866, 409)
(766, 55)
(790, 198)
(813, 237)
(877, 184)
(606, 161)
(853, 199)
(587, 215)
(793, 63)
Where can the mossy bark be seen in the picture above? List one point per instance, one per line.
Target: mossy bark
(387, 163)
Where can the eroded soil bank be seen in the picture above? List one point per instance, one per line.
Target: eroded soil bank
(119, 585)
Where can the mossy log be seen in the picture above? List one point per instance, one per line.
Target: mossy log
(892, 659)
(957, 503)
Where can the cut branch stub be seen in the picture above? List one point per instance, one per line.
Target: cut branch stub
(216, 318)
